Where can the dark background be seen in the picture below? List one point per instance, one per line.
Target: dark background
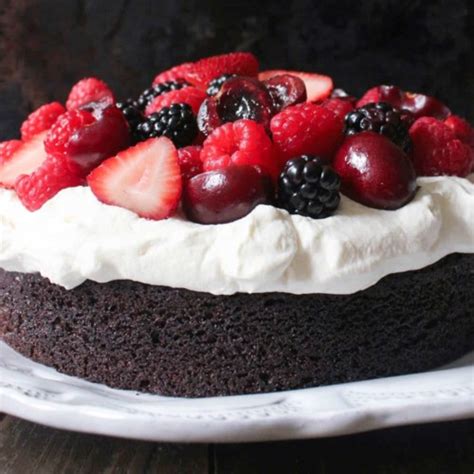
(47, 45)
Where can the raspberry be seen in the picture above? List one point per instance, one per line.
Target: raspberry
(189, 159)
(189, 95)
(7, 149)
(55, 174)
(88, 90)
(57, 139)
(243, 142)
(158, 89)
(41, 119)
(306, 129)
(461, 129)
(437, 150)
(173, 74)
(341, 107)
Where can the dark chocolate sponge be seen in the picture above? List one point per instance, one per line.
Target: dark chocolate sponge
(178, 342)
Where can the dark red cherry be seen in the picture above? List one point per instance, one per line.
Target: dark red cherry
(374, 171)
(225, 195)
(285, 90)
(208, 119)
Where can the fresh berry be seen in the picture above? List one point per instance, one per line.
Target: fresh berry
(238, 98)
(145, 179)
(340, 107)
(381, 118)
(374, 171)
(438, 149)
(89, 90)
(17, 158)
(318, 87)
(306, 129)
(55, 174)
(88, 140)
(225, 195)
(285, 90)
(461, 129)
(341, 94)
(308, 187)
(419, 105)
(176, 122)
(176, 73)
(215, 85)
(156, 90)
(204, 70)
(133, 115)
(41, 119)
(189, 159)
(189, 95)
(243, 142)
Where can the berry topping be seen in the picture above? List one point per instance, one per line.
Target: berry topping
(89, 90)
(343, 95)
(176, 122)
(381, 118)
(176, 73)
(189, 159)
(158, 89)
(318, 87)
(306, 129)
(461, 129)
(133, 115)
(340, 107)
(215, 85)
(41, 119)
(225, 195)
(308, 187)
(243, 142)
(189, 95)
(419, 105)
(285, 90)
(144, 179)
(17, 158)
(54, 174)
(442, 148)
(374, 171)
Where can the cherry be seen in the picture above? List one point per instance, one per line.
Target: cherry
(374, 171)
(92, 144)
(225, 195)
(285, 90)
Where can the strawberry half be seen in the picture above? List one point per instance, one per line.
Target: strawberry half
(173, 74)
(25, 158)
(145, 179)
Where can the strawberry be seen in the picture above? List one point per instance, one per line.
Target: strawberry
(54, 174)
(189, 95)
(20, 158)
(318, 86)
(189, 159)
(144, 179)
(89, 90)
(41, 119)
(173, 74)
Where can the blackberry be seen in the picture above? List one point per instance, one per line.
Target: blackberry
(177, 122)
(133, 115)
(215, 85)
(382, 118)
(308, 187)
(149, 94)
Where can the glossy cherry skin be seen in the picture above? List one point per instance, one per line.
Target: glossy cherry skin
(374, 171)
(285, 90)
(92, 144)
(220, 196)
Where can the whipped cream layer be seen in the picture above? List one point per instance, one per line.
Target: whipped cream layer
(74, 237)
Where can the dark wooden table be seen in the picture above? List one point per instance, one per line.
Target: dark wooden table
(434, 448)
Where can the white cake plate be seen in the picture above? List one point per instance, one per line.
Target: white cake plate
(40, 394)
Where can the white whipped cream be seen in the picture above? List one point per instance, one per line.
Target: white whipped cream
(74, 237)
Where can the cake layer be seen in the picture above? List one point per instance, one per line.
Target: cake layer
(178, 342)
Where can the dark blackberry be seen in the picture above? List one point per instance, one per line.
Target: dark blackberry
(133, 115)
(215, 85)
(149, 94)
(177, 122)
(308, 187)
(382, 118)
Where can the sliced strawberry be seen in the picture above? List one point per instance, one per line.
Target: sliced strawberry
(89, 90)
(145, 179)
(173, 74)
(318, 86)
(7, 149)
(189, 95)
(25, 158)
(41, 119)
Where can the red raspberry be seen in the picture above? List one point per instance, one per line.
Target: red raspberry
(437, 150)
(7, 149)
(243, 142)
(189, 95)
(41, 119)
(88, 90)
(341, 107)
(57, 139)
(306, 129)
(55, 174)
(461, 128)
(173, 74)
(370, 96)
(189, 159)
